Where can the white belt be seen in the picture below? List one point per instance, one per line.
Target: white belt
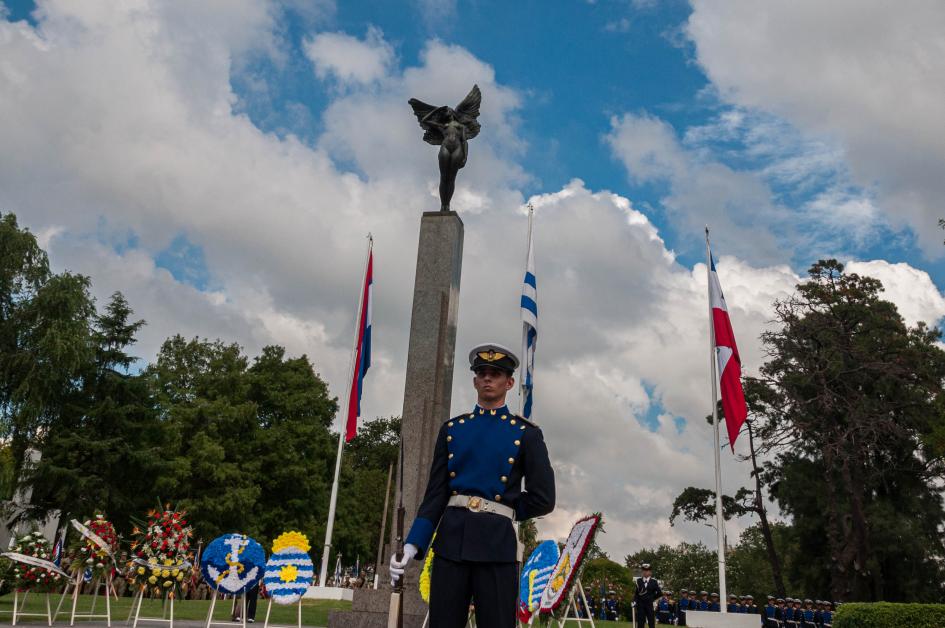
(481, 504)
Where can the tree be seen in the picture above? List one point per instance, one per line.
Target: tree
(528, 536)
(687, 566)
(248, 447)
(364, 467)
(45, 339)
(748, 568)
(851, 404)
(110, 431)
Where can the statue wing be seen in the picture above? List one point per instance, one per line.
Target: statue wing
(429, 117)
(468, 110)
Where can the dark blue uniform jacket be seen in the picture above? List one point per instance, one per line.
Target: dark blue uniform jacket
(485, 453)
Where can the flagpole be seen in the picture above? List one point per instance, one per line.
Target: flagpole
(523, 373)
(323, 573)
(713, 365)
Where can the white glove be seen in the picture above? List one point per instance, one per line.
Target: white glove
(397, 566)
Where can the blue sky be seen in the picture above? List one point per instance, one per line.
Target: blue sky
(220, 163)
(577, 64)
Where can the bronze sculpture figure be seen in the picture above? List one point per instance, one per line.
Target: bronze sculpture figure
(449, 129)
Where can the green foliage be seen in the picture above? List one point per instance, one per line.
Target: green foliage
(243, 445)
(247, 447)
(748, 569)
(698, 504)
(110, 430)
(603, 574)
(365, 464)
(528, 535)
(686, 566)
(884, 614)
(45, 338)
(849, 394)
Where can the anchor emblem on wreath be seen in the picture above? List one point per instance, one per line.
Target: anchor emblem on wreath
(229, 579)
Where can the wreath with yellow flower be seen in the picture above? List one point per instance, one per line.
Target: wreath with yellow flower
(160, 559)
(289, 571)
(93, 546)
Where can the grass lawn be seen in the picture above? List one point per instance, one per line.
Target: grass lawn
(314, 612)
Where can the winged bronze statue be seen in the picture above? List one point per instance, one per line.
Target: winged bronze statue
(450, 129)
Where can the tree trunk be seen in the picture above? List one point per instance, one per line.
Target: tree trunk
(862, 557)
(773, 557)
(835, 534)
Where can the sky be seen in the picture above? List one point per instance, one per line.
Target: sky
(221, 163)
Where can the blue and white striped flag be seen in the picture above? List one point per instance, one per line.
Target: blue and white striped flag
(529, 323)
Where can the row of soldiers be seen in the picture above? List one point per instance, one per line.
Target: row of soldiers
(777, 613)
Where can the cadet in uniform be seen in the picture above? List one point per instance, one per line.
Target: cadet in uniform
(647, 591)
(732, 606)
(703, 604)
(682, 607)
(473, 496)
(664, 609)
(715, 606)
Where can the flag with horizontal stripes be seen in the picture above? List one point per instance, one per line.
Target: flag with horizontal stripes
(362, 359)
(529, 307)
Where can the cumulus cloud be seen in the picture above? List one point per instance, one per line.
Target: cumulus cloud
(868, 75)
(911, 289)
(122, 134)
(349, 59)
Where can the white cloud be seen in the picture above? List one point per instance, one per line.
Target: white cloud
(737, 204)
(349, 59)
(119, 127)
(869, 75)
(911, 289)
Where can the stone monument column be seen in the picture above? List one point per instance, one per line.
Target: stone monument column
(427, 392)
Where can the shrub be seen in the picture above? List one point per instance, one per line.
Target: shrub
(886, 615)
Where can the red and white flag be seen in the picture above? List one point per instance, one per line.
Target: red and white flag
(729, 362)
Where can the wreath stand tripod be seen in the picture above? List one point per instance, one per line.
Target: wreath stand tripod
(213, 604)
(18, 608)
(577, 589)
(164, 619)
(298, 621)
(76, 585)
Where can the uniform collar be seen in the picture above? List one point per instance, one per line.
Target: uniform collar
(503, 411)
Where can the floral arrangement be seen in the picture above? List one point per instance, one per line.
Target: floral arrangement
(232, 563)
(160, 552)
(289, 572)
(87, 554)
(427, 573)
(570, 563)
(29, 577)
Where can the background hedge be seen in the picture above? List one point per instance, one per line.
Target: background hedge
(888, 615)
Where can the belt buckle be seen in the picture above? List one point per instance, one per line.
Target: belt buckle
(474, 504)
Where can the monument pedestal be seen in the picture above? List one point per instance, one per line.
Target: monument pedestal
(427, 391)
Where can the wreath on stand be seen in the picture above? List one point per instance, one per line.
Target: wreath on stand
(34, 577)
(93, 551)
(160, 552)
(567, 571)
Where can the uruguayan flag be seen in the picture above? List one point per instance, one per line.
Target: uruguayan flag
(529, 323)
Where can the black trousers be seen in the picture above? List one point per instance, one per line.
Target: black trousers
(492, 587)
(645, 613)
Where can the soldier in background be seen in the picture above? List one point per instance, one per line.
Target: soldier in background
(645, 596)
(703, 604)
(682, 607)
(612, 606)
(665, 609)
(714, 605)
